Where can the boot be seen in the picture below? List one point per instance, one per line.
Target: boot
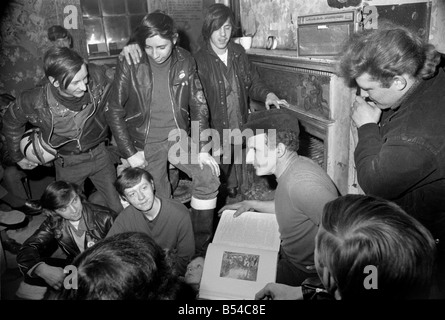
(202, 221)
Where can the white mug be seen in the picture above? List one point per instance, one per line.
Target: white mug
(246, 42)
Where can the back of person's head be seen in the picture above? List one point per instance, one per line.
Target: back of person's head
(57, 32)
(126, 266)
(130, 177)
(386, 52)
(357, 231)
(217, 15)
(60, 36)
(58, 194)
(153, 24)
(62, 64)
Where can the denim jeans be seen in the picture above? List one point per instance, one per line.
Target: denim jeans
(96, 165)
(204, 184)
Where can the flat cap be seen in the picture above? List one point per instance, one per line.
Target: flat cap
(279, 119)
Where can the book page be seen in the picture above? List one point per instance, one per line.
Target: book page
(236, 273)
(250, 229)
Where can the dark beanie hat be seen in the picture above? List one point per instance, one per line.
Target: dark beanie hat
(279, 119)
(57, 32)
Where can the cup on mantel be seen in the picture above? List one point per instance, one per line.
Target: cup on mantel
(246, 42)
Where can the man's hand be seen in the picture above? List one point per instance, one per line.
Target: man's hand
(206, 159)
(240, 207)
(272, 99)
(53, 276)
(278, 291)
(131, 52)
(26, 164)
(138, 160)
(364, 112)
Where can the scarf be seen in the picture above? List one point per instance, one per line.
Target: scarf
(72, 103)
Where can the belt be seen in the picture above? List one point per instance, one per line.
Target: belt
(77, 151)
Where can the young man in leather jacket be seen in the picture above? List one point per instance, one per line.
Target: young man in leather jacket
(72, 225)
(154, 99)
(68, 111)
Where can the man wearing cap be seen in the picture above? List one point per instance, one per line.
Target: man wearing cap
(302, 191)
(68, 110)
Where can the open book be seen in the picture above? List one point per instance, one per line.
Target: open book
(242, 258)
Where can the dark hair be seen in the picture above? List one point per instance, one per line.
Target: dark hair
(58, 194)
(126, 266)
(386, 52)
(216, 16)
(153, 24)
(62, 64)
(130, 177)
(289, 138)
(57, 32)
(55, 196)
(358, 231)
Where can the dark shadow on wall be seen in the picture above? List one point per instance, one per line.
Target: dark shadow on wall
(184, 40)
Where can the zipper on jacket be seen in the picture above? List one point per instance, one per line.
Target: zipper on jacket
(171, 99)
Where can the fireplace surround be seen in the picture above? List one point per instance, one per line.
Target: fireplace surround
(322, 102)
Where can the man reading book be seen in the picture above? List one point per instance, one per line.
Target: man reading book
(302, 191)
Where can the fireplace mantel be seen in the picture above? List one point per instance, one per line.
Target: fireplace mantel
(322, 102)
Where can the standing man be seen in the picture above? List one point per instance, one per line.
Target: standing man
(400, 118)
(69, 112)
(229, 80)
(302, 191)
(166, 220)
(150, 102)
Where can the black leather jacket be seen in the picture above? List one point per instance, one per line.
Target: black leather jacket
(212, 78)
(32, 107)
(44, 241)
(128, 105)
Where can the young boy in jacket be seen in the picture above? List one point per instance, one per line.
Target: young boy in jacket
(72, 225)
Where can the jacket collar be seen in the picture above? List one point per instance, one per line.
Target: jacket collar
(177, 55)
(233, 49)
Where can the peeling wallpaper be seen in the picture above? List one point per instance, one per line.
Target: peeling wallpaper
(279, 17)
(23, 41)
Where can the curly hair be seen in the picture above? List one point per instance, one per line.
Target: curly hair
(385, 53)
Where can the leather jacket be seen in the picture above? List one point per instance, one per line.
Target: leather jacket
(32, 107)
(44, 241)
(212, 78)
(128, 105)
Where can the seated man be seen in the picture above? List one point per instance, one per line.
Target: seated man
(303, 190)
(136, 269)
(357, 233)
(72, 225)
(166, 220)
